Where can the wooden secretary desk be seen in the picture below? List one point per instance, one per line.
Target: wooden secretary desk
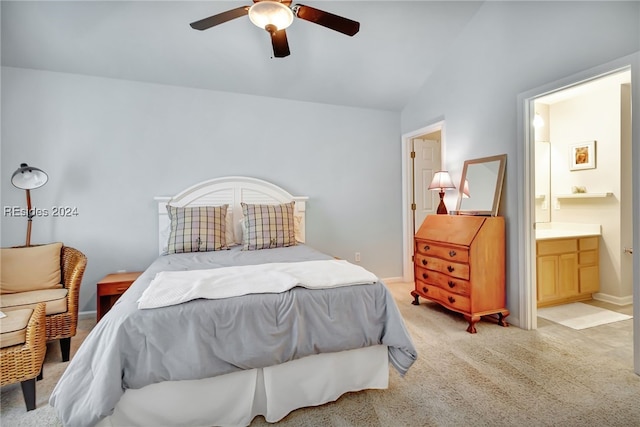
(459, 262)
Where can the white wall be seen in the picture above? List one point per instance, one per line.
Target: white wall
(508, 49)
(593, 116)
(110, 146)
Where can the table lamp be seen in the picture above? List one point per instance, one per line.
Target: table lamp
(441, 181)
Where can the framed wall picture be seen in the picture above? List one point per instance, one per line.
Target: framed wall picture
(582, 156)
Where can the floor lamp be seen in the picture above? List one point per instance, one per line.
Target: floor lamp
(441, 181)
(28, 178)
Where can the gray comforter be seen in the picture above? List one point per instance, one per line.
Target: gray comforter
(132, 348)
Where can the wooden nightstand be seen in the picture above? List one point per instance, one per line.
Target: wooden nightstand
(110, 288)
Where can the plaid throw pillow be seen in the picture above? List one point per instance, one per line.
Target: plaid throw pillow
(268, 226)
(197, 229)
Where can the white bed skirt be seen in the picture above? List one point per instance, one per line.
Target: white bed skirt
(235, 399)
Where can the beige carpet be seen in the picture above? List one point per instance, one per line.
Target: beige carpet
(554, 376)
(580, 316)
(12, 409)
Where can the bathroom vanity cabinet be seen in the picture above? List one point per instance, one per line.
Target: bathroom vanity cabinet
(567, 269)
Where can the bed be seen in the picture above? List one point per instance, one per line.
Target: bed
(224, 359)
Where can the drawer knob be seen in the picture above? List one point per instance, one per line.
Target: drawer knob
(451, 299)
(450, 268)
(452, 253)
(426, 247)
(425, 275)
(425, 289)
(451, 283)
(424, 261)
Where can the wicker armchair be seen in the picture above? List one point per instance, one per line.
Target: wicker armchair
(62, 326)
(23, 362)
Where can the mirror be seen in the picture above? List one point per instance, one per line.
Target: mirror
(481, 186)
(543, 181)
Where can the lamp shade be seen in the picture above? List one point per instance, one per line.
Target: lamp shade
(465, 189)
(27, 177)
(441, 181)
(270, 13)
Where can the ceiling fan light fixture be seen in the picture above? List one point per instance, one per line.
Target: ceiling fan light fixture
(267, 14)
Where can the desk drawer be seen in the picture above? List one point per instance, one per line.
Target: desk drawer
(449, 268)
(444, 281)
(448, 299)
(452, 253)
(113, 288)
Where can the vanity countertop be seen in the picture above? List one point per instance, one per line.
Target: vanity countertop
(561, 230)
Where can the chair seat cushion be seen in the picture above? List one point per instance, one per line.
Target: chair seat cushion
(13, 327)
(30, 268)
(55, 299)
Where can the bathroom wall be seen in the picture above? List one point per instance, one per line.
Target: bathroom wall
(592, 116)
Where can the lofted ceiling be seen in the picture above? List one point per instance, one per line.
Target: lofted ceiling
(381, 67)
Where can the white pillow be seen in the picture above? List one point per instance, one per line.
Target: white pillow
(238, 230)
(296, 228)
(228, 230)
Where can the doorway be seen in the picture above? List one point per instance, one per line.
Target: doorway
(593, 117)
(422, 156)
(546, 203)
(595, 107)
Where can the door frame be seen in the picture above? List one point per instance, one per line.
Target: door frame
(407, 179)
(526, 182)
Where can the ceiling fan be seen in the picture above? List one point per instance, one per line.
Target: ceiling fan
(276, 15)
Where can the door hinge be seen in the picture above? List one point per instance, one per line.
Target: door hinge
(413, 154)
(413, 206)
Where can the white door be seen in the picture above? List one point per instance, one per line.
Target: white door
(426, 162)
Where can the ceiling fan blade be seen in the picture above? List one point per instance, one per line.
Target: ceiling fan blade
(326, 19)
(280, 44)
(220, 18)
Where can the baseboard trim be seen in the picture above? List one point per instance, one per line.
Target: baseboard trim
(87, 315)
(613, 299)
(392, 279)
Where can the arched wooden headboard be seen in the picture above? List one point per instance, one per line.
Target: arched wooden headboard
(231, 190)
